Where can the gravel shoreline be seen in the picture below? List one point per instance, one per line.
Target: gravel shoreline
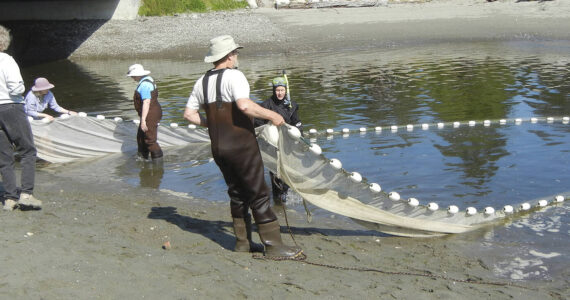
(268, 30)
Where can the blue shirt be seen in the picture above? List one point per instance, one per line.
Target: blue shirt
(145, 87)
(34, 105)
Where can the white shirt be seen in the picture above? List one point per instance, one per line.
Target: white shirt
(234, 86)
(11, 82)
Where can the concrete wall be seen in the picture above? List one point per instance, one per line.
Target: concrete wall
(68, 9)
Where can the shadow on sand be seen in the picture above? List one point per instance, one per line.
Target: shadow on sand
(218, 232)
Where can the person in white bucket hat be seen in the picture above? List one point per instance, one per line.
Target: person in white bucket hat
(223, 92)
(145, 100)
(15, 130)
(40, 97)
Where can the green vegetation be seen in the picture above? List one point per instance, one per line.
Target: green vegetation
(171, 7)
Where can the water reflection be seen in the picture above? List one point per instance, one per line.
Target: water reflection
(466, 166)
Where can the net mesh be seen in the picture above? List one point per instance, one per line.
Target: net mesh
(286, 153)
(64, 140)
(320, 183)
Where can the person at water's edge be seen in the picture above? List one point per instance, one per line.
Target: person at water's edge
(15, 130)
(223, 92)
(149, 110)
(281, 103)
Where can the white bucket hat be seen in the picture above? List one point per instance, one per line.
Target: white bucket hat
(219, 47)
(137, 70)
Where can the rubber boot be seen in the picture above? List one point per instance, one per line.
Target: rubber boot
(242, 230)
(270, 235)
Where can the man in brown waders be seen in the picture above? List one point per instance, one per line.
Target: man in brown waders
(223, 92)
(146, 104)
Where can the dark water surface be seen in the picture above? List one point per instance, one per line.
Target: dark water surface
(467, 166)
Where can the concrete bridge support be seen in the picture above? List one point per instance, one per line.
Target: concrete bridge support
(68, 9)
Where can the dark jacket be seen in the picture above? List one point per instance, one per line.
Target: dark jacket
(288, 112)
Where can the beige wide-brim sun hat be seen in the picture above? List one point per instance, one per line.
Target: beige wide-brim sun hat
(41, 84)
(219, 47)
(137, 70)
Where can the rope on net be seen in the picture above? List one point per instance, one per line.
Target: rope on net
(323, 182)
(300, 163)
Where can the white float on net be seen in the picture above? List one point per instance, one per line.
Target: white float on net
(471, 211)
(312, 131)
(410, 127)
(118, 119)
(316, 149)
(394, 196)
(335, 163)
(440, 125)
(550, 120)
(191, 126)
(375, 187)
(174, 125)
(413, 202)
(345, 130)
(378, 128)
(508, 209)
(356, 177)
(425, 126)
(542, 203)
(137, 121)
(502, 121)
(272, 134)
(394, 128)
(82, 114)
(533, 120)
(64, 116)
(489, 210)
(525, 206)
(294, 132)
(433, 206)
(330, 131)
(362, 129)
(472, 123)
(487, 123)
(100, 117)
(559, 198)
(452, 209)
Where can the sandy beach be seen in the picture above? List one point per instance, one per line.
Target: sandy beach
(98, 238)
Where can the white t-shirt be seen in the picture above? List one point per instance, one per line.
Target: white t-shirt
(234, 86)
(11, 82)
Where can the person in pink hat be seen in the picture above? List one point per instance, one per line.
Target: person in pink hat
(39, 98)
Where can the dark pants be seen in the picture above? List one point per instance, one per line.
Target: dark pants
(278, 187)
(15, 131)
(147, 141)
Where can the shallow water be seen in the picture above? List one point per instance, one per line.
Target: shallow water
(467, 166)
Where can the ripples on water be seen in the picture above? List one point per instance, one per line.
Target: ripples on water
(469, 166)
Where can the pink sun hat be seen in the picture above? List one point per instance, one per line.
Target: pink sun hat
(41, 84)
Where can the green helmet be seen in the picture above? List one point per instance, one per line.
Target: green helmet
(279, 81)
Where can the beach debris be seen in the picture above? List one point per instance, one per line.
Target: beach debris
(166, 245)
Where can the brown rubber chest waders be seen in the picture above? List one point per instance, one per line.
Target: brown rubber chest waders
(236, 153)
(147, 141)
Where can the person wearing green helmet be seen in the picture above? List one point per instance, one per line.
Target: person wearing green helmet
(281, 103)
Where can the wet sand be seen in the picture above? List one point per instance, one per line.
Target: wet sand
(99, 238)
